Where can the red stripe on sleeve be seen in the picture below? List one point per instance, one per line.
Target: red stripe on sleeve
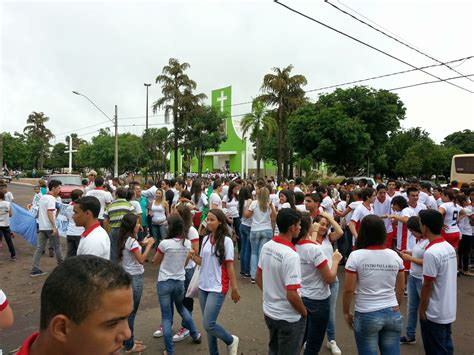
(429, 278)
(293, 287)
(3, 305)
(320, 266)
(401, 270)
(259, 268)
(134, 249)
(159, 251)
(350, 271)
(195, 240)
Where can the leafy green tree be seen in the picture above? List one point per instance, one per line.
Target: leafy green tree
(38, 135)
(15, 151)
(175, 84)
(462, 140)
(330, 135)
(207, 133)
(261, 125)
(285, 93)
(157, 144)
(59, 158)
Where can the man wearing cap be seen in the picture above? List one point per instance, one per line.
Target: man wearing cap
(91, 179)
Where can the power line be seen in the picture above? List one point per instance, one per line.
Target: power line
(80, 129)
(430, 82)
(367, 44)
(392, 37)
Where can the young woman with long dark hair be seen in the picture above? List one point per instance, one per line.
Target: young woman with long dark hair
(245, 199)
(217, 272)
(132, 259)
(231, 203)
(374, 275)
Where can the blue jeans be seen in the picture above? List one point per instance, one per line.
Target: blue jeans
(331, 332)
(414, 292)
(137, 287)
(188, 302)
(437, 338)
(257, 241)
(316, 324)
(378, 330)
(285, 338)
(113, 235)
(236, 224)
(211, 304)
(245, 252)
(158, 231)
(172, 292)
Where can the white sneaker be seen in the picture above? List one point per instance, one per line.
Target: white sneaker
(332, 346)
(232, 348)
(158, 333)
(181, 334)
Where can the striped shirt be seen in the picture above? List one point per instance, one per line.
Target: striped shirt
(116, 210)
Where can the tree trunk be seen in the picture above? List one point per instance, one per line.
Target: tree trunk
(280, 146)
(284, 144)
(290, 163)
(258, 156)
(175, 143)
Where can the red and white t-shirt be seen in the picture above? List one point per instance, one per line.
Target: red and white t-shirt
(418, 252)
(328, 205)
(450, 217)
(95, 241)
(360, 212)
(376, 268)
(279, 264)
(440, 265)
(3, 301)
(129, 262)
(405, 240)
(193, 237)
(418, 207)
(383, 208)
(103, 196)
(175, 252)
(393, 194)
(213, 276)
(312, 259)
(46, 203)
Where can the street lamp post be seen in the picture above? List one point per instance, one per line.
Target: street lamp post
(146, 123)
(115, 122)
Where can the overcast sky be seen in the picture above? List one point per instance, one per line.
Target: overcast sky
(109, 49)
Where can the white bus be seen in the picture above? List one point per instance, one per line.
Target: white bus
(462, 168)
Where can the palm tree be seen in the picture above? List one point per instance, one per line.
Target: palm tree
(285, 92)
(173, 82)
(37, 131)
(258, 121)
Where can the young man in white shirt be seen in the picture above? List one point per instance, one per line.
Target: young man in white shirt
(438, 293)
(47, 227)
(94, 240)
(104, 196)
(279, 277)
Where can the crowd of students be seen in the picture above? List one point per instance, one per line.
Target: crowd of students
(393, 239)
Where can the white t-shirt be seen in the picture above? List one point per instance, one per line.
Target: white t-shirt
(103, 196)
(464, 227)
(450, 217)
(419, 206)
(137, 208)
(175, 251)
(423, 197)
(431, 203)
(381, 208)
(440, 265)
(301, 208)
(72, 229)
(418, 252)
(283, 205)
(297, 189)
(260, 220)
(281, 271)
(215, 199)
(193, 237)
(9, 196)
(129, 262)
(353, 205)
(246, 221)
(225, 190)
(377, 269)
(275, 200)
(46, 203)
(312, 259)
(213, 276)
(359, 213)
(405, 240)
(202, 202)
(232, 206)
(4, 213)
(158, 213)
(3, 301)
(95, 241)
(327, 204)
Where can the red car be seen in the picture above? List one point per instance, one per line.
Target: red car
(69, 182)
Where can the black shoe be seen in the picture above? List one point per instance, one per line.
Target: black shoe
(406, 340)
(37, 272)
(252, 281)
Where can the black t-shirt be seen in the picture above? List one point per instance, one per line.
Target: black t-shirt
(169, 195)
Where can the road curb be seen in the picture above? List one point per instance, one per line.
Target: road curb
(21, 183)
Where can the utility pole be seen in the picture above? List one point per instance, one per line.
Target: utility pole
(70, 151)
(116, 143)
(146, 123)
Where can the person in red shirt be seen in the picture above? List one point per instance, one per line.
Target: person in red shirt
(85, 303)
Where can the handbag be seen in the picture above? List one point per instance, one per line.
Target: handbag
(193, 288)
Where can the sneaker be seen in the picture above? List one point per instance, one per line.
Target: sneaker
(181, 334)
(197, 340)
(13, 258)
(247, 276)
(332, 346)
(252, 281)
(407, 340)
(232, 348)
(405, 293)
(158, 333)
(37, 272)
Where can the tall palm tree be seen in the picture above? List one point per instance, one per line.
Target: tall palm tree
(37, 131)
(257, 122)
(285, 92)
(173, 82)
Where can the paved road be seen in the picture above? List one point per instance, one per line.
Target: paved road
(245, 319)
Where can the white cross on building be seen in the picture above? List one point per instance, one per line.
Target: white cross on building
(221, 99)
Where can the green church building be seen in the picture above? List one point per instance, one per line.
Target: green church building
(236, 153)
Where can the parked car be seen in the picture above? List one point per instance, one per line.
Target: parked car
(6, 178)
(433, 185)
(370, 181)
(69, 182)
